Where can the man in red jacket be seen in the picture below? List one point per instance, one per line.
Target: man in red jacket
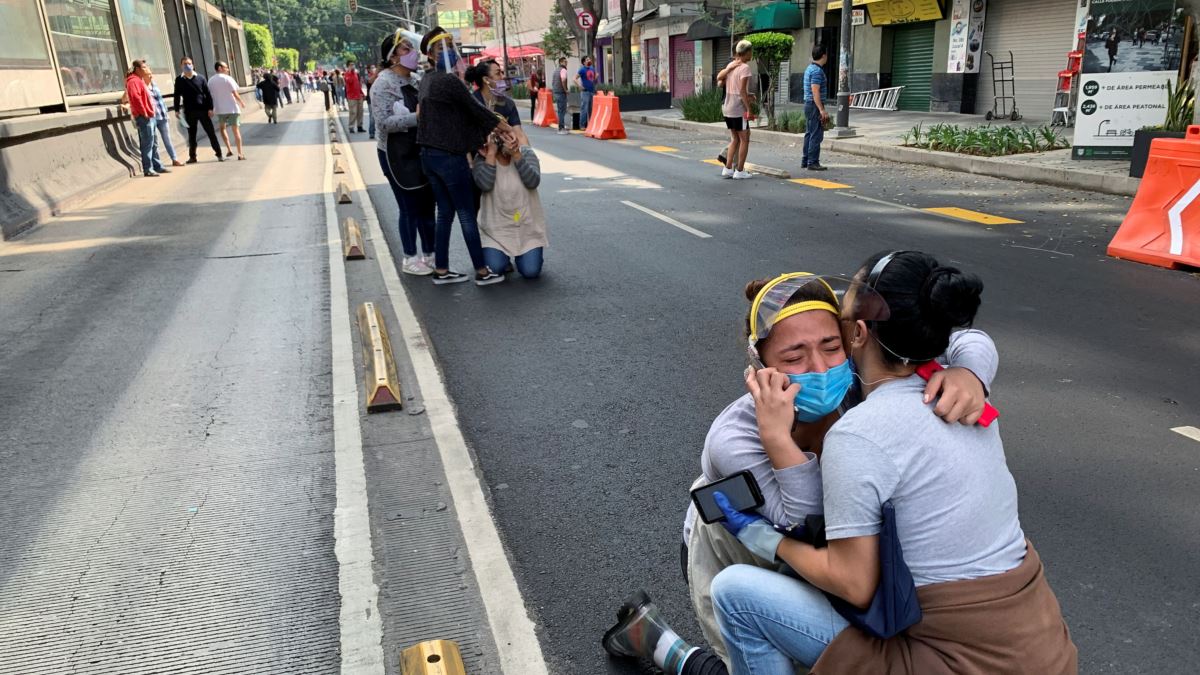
(141, 108)
(354, 97)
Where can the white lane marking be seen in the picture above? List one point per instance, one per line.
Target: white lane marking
(513, 631)
(1189, 432)
(667, 219)
(361, 630)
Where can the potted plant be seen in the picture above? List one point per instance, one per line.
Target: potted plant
(1181, 110)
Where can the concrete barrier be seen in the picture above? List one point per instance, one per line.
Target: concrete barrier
(352, 241)
(432, 657)
(379, 364)
(343, 193)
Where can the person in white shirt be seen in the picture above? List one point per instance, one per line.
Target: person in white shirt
(227, 105)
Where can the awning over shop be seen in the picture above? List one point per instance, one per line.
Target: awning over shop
(645, 14)
(835, 5)
(709, 27)
(781, 16)
(513, 52)
(608, 28)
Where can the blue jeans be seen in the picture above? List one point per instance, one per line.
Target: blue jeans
(529, 263)
(454, 191)
(416, 212)
(814, 133)
(770, 620)
(164, 132)
(148, 145)
(585, 108)
(560, 105)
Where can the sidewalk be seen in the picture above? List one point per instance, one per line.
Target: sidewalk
(880, 136)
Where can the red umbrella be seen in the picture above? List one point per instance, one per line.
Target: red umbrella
(513, 52)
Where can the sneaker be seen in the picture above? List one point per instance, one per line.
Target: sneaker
(428, 260)
(164, 170)
(563, 132)
(151, 174)
(416, 266)
(488, 278)
(727, 173)
(817, 167)
(448, 277)
(220, 158)
(741, 175)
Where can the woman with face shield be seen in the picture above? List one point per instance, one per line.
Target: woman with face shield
(394, 111)
(800, 383)
(935, 502)
(451, 125)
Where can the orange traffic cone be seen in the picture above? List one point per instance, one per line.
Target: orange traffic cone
(1163, 224)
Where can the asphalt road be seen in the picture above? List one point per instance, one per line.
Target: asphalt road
(587, 394)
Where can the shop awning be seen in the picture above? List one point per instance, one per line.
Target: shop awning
(645, 14)
(608, 28)
(835, 5)
(513, 52)
(709, 27)
(781, 16)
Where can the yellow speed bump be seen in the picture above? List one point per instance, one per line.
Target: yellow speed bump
(433, 657)
(337, 166)
(818, 183)
(352, 241)
(379, 366)
(973, 216)
(343, 193)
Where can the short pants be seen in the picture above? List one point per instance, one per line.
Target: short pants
(230, 119)
(737, 124)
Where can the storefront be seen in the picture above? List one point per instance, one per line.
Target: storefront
(1039, 34)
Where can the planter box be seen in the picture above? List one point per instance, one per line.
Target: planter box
(1141, 149)
(657, 101)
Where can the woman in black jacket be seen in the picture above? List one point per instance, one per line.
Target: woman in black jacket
(451, 125)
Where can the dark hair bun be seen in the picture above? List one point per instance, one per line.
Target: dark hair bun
(950, 297)
(755, 287)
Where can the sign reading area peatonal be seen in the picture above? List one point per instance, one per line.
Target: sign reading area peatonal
(1132, 48)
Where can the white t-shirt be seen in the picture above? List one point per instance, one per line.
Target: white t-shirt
(222, 88)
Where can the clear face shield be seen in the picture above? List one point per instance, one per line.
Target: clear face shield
(790, 294)
(445, 55)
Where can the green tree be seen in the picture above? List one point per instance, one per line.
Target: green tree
(556, 41)
(770, 51)
(310, 65)
(288, 58)
(260, 47)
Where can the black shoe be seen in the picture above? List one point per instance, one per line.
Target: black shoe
(488, 278)
(164, 170)
(362, 130)
(191, 160)
(816, 167)
(447, 277)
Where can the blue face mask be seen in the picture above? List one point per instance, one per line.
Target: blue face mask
(821, 393)
(447, 61)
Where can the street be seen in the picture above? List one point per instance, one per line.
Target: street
(173, 468)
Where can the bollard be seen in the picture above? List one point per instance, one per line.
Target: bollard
(343, 193)
(337, 166)
(334, 150)
(432, 657)
(379, 366)
(352, 241)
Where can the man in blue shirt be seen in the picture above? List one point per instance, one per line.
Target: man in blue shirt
(815, 92)
(586, 81)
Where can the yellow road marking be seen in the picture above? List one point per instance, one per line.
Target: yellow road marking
(577, 131)
(659, 148)
(713, 162)
(973, 216)
(818, 183)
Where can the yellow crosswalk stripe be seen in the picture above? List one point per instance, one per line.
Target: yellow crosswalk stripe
(973, 216)
(659, 148)
(822, 184)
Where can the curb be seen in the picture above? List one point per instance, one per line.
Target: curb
(1077, 179)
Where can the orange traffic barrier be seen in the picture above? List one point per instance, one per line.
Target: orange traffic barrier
(608, 119)
(1163, 224)
(599, 101)
(544, 115)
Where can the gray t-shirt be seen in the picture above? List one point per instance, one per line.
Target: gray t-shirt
(955, 500)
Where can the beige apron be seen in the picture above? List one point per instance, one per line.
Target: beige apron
(510, 215)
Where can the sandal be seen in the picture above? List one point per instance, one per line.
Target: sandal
(240, 157)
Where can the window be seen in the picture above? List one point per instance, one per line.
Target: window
(85, 39)
(146, 39)
(23, 45)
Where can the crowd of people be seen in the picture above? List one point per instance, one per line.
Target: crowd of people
(451, 144)
(887, 536)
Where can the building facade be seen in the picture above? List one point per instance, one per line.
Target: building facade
(59, 54)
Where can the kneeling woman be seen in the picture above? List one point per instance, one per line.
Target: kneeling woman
(511, 221)
(987, 607)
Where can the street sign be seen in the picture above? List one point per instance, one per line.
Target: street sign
(585, 20)
(858, 17)
(349, 20)
(353, 6)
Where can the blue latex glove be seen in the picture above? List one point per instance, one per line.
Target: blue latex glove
(755, 533)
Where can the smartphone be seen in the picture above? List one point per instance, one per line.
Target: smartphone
(741, 489)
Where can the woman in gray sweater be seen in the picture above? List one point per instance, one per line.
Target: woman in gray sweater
(511, 221)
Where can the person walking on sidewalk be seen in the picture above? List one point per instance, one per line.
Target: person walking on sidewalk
(268, 93)
(285, 86)
(354, 98)
(228, 105)
(586, 80)
(339, 89)
(324, 86)
(141, 108)
(192, 90)
(558, 85)
(394, 99)
(815, 92)
(162, 121)
(738, 110)
(451, 126)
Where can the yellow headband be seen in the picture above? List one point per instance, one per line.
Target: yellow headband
(436, 38)
(790, 310)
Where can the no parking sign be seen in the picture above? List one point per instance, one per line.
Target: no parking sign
(585, 20)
